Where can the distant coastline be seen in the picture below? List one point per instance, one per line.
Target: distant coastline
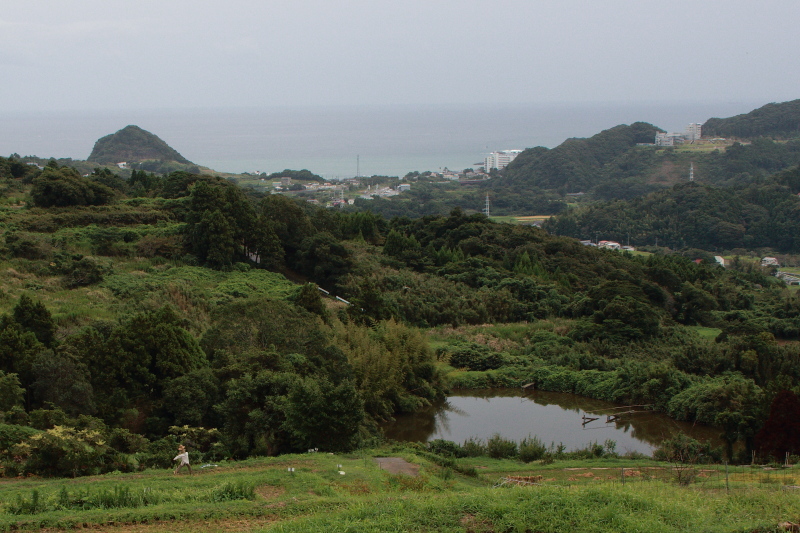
(389, 140)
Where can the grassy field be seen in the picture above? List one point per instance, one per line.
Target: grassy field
(353, 493)
(702, 147)
(520, 219)
(706, 333)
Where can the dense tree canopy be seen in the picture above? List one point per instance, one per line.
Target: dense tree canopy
(62, 187)
(696, 216)
(772, 120)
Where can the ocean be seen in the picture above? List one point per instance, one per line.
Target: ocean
(342, 142)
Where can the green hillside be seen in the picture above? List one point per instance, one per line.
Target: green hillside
(614, 164)
(573, 165)
(174, 308)
(763, 214)
(776, 120)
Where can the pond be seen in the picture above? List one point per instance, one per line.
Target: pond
(554, 417)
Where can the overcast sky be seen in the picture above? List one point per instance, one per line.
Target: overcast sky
(156, 54)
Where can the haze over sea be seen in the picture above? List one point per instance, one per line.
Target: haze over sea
(386, 140)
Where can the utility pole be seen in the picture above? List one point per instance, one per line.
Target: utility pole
(486, 208)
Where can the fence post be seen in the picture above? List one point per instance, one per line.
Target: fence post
(623, 476)
(727, 487)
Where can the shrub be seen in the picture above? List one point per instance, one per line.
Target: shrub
(531, 449)
(26, 247)
(498, 447)
(159, 453)
(63, 187)
(124, 441)
(66, 451)
(446, 448)
(593, 450)
(11, 434)
(46, 418)
(81, 271)
(473, 448)
(170, 246)
(683, 449)
(475, 357)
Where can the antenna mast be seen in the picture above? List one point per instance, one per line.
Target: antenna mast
(358, 166)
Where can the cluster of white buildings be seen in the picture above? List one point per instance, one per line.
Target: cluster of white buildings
(500, 160)
(609, 245)
(693, 132)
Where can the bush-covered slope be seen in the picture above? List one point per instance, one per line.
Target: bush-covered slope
(776, 120)
(759, 215)
(573, 164)
(132, 144)
(163, 313)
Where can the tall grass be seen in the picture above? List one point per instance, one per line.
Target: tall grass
(124, 497)
(595, 509)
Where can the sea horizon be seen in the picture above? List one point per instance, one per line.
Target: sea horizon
(345, 141)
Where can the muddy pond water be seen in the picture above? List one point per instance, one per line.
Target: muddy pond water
(554, 417)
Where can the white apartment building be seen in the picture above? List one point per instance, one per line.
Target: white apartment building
(694, 132)
(500, 160)
(668, 139)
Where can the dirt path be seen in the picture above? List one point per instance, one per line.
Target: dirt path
(396, 465)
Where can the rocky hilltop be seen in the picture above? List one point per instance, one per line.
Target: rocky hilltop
(132, 144)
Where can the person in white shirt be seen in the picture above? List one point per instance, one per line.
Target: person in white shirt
(183, 456)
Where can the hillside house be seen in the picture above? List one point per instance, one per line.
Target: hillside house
(611, 245)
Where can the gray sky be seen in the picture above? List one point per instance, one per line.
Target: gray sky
(155, 54)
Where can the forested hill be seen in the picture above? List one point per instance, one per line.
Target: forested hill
(156, 306)
(762, 214)
(779, 121)
(132, 144)
(573, 165)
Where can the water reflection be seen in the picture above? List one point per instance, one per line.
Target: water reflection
(552, 416)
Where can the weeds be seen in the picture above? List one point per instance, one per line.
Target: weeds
(528, 450)
(24, 506)
(239, 490)
(123, 497)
